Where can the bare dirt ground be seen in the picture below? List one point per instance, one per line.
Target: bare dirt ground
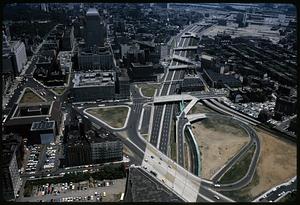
(218, 141)
(277, 163)
(200, 108)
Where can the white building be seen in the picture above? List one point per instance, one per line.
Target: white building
(19, 50)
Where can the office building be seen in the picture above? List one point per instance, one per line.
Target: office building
(191, 83)
(96, 58)
(77, 149)
(94, 29)
(142, 72)
(92, 86)
(105, 147)
(217, 80)
(11, 181)
(207, 62)
(123, 85)
(286, 105)
(68, 39)
(43, 132)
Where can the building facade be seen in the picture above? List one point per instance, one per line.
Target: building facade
(94, 29)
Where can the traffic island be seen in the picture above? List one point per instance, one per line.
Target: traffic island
(148, 90)
(114, 116)
(59, 90)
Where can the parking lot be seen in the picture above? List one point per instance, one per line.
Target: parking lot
(85, 191)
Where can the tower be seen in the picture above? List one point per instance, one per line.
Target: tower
(94, 29)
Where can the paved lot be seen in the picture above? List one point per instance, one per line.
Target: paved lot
(113, 192)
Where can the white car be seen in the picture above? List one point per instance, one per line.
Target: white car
(216, 197)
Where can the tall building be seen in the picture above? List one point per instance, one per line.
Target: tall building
(94, 29)
(105, 147)
(10, 178)
(68, 39)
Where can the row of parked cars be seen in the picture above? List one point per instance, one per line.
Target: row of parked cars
(50, 157)
(33, 159)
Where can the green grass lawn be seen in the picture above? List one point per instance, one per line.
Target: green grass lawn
(59, 91)
(243, 195)
(114, 116)
(172, 141)
(148, 90)
(30, 97)
(239, 169)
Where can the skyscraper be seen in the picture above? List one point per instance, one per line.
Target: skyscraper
(94, 30)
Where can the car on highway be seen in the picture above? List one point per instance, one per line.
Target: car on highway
(217, 185)
(216, 197)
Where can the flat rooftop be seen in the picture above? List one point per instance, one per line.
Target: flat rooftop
(95, 78)
(43, 125)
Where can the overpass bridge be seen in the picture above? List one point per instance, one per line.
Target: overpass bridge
(184, 97)
(183, 59)
(181, 48)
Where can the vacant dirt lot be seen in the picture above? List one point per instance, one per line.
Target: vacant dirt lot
(277, 163)
(199, 108)
(218, 141)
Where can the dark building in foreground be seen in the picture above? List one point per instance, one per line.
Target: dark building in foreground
(286, 105)
(85, 144)
(10, 178)
(143, 187)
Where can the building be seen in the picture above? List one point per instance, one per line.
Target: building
(92, 86)
(142, 72)
(207, 62)
(96, 58)
(241, 19)
(105, 147)
(23, 115)
(13, 55)
(286, 105)
(68, 39)
(77, 149)
(217, 80)
(64, 60)
(94, 29)
(11, 181)
(19, 51)
(123, 85)
(191, 83)
(43, 132)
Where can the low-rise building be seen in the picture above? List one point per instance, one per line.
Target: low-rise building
(218, 80)
(43, 132)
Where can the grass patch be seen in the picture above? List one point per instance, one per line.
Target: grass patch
(148, 90)
(243, 195)
(172, 141)
(239, 169)
(146, 136)
(30, 97)
(114, 116)
(59, 91)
